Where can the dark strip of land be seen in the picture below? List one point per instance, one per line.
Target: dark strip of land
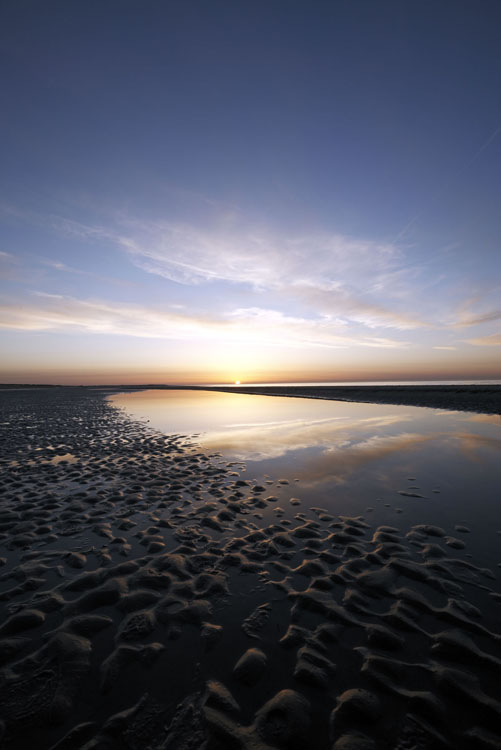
(485, 399)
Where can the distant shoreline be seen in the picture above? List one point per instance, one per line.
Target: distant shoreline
(480, 399)
(484, 399)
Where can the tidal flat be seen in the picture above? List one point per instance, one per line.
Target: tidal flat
(201, 571)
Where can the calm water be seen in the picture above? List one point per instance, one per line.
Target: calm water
(347, 457)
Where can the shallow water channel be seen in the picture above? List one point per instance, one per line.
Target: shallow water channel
(405, 464)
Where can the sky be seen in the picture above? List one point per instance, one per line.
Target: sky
(275, 190)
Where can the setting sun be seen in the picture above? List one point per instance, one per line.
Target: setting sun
(237, 382)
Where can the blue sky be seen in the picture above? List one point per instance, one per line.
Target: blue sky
(206, 191)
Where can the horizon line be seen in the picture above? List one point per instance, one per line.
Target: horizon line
(256, 384)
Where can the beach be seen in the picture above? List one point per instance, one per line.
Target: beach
(155, 596)
(250, 375)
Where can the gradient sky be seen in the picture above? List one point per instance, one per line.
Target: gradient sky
(195, 191)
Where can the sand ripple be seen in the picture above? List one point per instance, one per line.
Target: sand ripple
(154, 600)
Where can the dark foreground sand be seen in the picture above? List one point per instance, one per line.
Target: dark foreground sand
(154, 600)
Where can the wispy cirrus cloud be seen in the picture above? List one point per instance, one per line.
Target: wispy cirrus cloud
(349, 305)
(478, 308)
(52, 312)
(258, 257)
(331, 274)
(492, 340)
(468, 321)
(348, 280)
(237, 253)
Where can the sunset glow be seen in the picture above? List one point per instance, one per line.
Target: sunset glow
(281, 212)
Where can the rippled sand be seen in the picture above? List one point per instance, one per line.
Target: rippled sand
(148, 603)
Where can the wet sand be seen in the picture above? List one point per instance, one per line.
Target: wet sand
(149, 603)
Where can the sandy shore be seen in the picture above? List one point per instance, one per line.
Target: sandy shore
(152, 599)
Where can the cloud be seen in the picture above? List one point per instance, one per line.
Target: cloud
(59, 266)
(260, 258)
(446, 348)
(469, 313)
(52, 312)
(235, 252)
(493, 340)
(269, 440)
(348, 305)
(475, 320)
(351, 280)
(300, 331)
(330, 273)
(338, 463)
(47, 295)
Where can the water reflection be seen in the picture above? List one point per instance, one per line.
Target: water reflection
(485, 418)
(322, 439)
(346, 456)
(257, 442)
(338, 463)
